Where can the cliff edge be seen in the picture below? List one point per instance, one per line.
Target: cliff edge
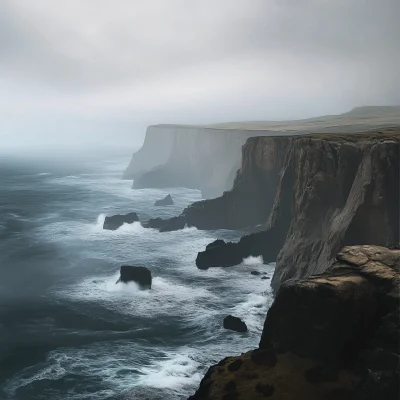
(331, 191)
(331, 336)
(207, 157)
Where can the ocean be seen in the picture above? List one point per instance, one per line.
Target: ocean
(67, 330)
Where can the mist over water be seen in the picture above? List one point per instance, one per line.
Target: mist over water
(67, 331)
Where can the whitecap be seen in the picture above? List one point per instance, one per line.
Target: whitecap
(253, 260)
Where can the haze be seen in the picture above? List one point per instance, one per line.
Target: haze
(84, 73)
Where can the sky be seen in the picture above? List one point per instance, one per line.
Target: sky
(97, 72)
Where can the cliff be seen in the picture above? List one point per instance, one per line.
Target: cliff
(193, 157)
(332, 336)
(207, 157)
(250, 200)
(332, 191)
(156, 150)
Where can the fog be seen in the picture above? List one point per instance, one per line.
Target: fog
(95, 73)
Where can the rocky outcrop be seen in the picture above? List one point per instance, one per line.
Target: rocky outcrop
(331, 336)
(234, 324)
(116, 221)
(332, 191)
(139, 275)
(166, 201)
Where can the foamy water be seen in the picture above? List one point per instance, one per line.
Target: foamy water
(104, 340)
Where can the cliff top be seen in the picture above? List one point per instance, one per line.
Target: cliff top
(389, 133)
(360, 117)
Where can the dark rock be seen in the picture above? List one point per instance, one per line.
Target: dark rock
(140, 275)
(265, 277)
(166, 201)
(265, 390)
(321, 373)
(230, 386)
(155, 223)
(234, 324)
(173, 224)
(255, 273)
(227, 254)
(231, 396)
(235, 365)
(337, 333)
(266, 358)
(114, 222)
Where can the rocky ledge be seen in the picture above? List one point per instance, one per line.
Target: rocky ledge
(331, 336)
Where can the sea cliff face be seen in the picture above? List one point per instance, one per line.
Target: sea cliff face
(155, 151)
(250, 200)
(345, 192)
(330, 336)
(331, 191)
(193, 157)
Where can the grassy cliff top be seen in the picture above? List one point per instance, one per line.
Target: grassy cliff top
(359, 118)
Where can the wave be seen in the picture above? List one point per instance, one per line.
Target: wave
(253, 260)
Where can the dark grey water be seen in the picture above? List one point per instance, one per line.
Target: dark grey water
(67, 331)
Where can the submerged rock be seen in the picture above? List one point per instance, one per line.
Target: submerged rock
(140, 275)
(166, 201)
(114, 222)
(234, 324)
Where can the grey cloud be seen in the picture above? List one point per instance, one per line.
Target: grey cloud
(193, 61)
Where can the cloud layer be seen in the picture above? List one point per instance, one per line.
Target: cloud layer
(86, 64)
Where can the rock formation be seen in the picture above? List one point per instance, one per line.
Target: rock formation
(140, 275)
(331, 336)
(234, 324)
(114, 222)
(207, 157)
(332, 191)
(166, 201)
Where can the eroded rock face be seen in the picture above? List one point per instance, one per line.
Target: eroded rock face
(140, 275)
(330, 336)
(250, 200)
(345, 192)
(166, 201)
(116, 221)
(332, 191)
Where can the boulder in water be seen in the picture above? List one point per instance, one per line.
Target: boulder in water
(155, 223)
(114, 222)
(140, 275)
(234, 324)
(173, 224)
(166, 201)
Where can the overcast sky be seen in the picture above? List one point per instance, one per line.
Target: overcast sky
(85, 70)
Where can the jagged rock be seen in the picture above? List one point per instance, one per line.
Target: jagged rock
(331, 336)
(140, 275)
(155, 223)
(166, 201)
(234, 324)
(114, 222)
(173, 224)
(228, 254)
